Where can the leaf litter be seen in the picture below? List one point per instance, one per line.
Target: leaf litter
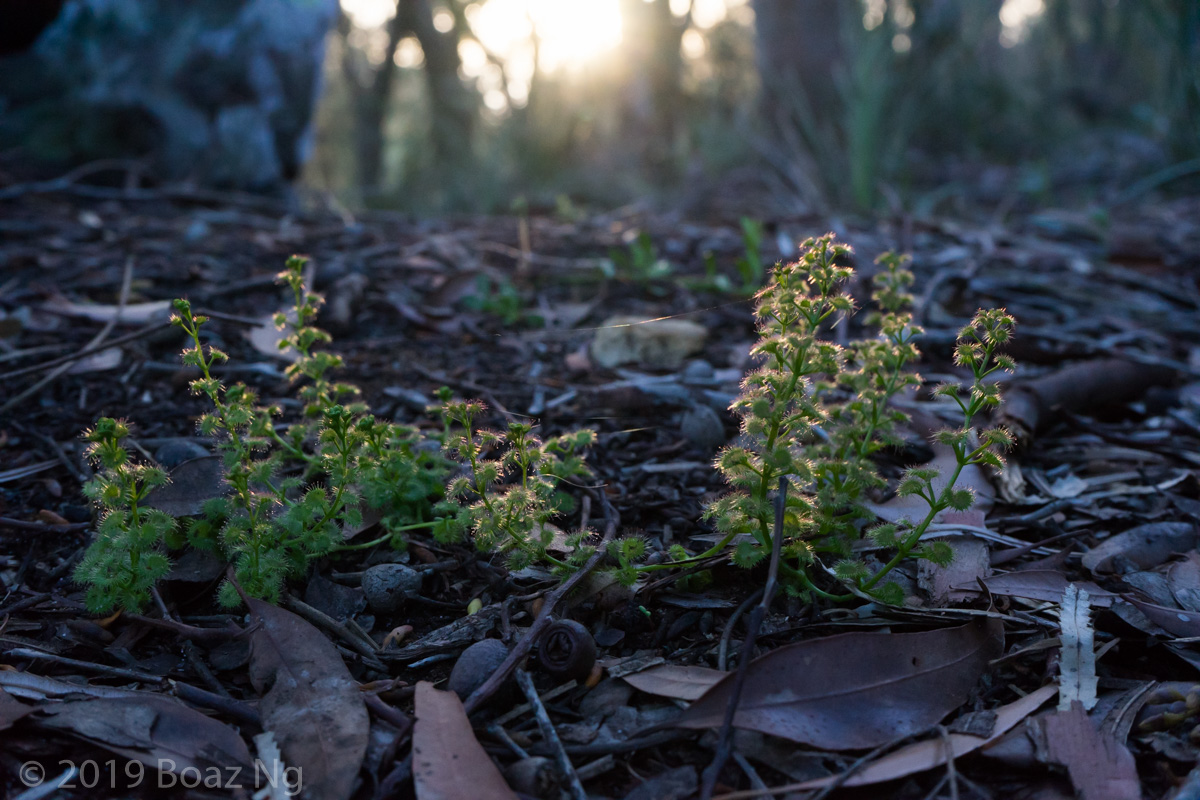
(1107, 474)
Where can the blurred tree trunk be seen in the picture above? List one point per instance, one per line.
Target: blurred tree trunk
(453, 105)
(371, 95)
(653, 107)
(799, 50)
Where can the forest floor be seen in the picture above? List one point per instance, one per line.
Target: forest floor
(1104, 494)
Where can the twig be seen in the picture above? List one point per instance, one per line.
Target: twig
(523, 647)
(23, 525)
(116, 672)
(242, 712)
(185, 631)
(140, 333)
(550, 735)
(725, 739)
(852, 770)
(730, 624)
(366, 649)
(126, 282)
(393, 716)
(951, 771)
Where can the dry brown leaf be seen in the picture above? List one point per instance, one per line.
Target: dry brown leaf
(1183, 577)
(309, 700)
(193, 483)
(681, 683)
(1101, 768)
(132, 314)
(971, 563)
(448, 761)
(1043, 584)
(1145, 546)
(856, 690)
(1174, 621)
(266, 338)
(930, 753)
(913, 508)
(157, 731)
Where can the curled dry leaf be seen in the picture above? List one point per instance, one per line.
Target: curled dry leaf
(1145, 546)
(856, 690)
(681, 683)
(157, 731)
(448, 762)
(131, 314)
(1172, 620)
(309, 701)
(1043, 584)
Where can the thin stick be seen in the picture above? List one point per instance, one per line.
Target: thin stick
(730, 625)
(153, 327)
(550, 735)
(126, 282)
(725, 741)
(544, 619)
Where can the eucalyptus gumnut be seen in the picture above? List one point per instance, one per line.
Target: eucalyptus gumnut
(475, 666)
(388, 586)
(567, 651)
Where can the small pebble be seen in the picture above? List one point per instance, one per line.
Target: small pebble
(698, 370)
(388, 586)
(703, 427)
(475, 666)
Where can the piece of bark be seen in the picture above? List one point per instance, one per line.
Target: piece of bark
(1101, 768)
(1031, 405)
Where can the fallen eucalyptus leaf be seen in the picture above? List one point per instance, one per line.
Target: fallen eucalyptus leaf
(931, 753)
(1043, 584)
(1172, 620)
(856, 690)
(448, 763)
(131, 314)
(1100, 766)
(157, 731)
(914, 508)
(266, 338)
(1145, 546)
(309, 701)
(681, 683)
(193, 483)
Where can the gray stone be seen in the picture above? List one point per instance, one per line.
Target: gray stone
(220, 92)
(389, 586)
(703, 427)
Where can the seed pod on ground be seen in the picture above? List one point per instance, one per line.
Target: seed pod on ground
(567, 650)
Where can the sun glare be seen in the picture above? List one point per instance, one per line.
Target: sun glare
(570, 32)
